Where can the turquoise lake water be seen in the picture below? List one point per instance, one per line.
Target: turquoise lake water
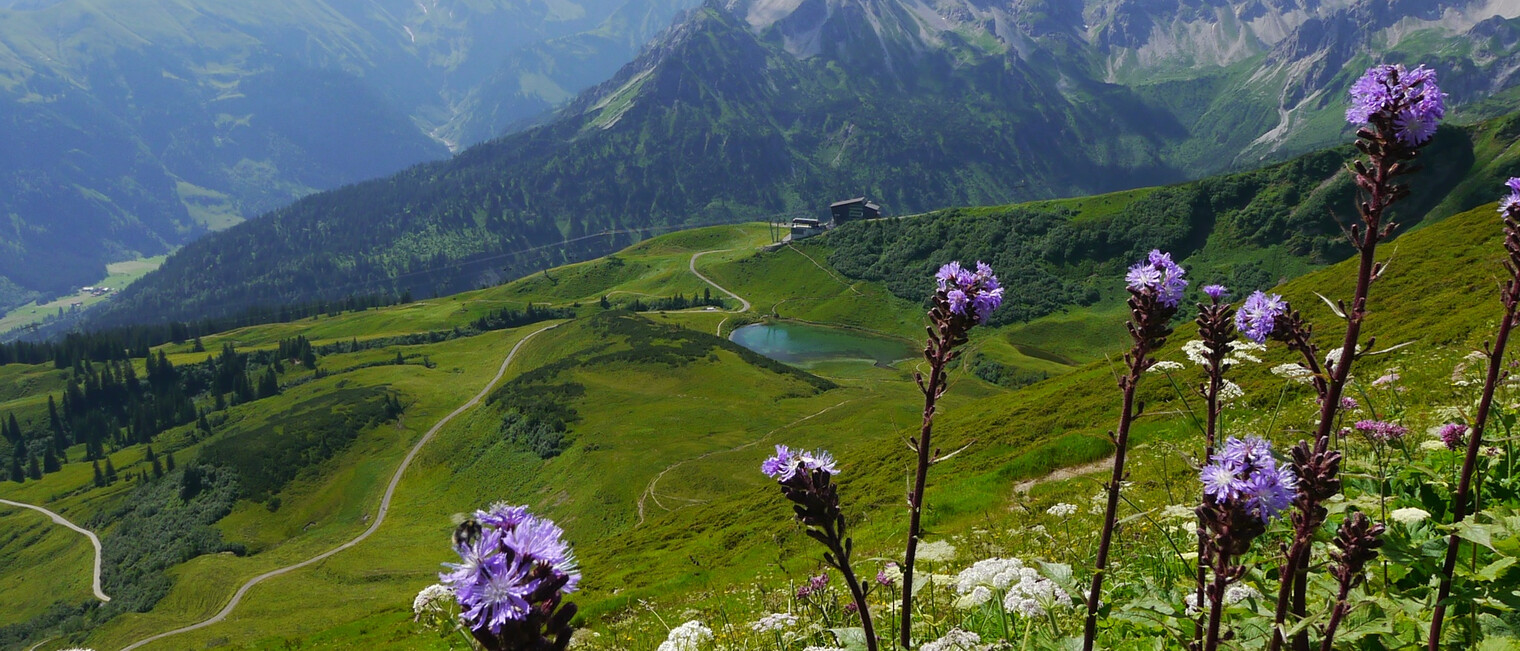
(804, 345)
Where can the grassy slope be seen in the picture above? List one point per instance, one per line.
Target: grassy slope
(712, 523)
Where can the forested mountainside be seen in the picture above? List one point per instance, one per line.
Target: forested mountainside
(135, 126)
(750, 110)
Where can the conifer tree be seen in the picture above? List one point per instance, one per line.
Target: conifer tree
(100, 479)
(33, 469)
(16, 473)
(110, 472)
(169, 461)
(50, 461)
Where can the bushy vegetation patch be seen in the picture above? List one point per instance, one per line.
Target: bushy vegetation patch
(311, 431)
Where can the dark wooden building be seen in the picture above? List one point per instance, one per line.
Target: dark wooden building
(853, 210)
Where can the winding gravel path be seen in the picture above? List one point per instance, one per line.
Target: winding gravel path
(385, 505)
(99, 594)
(743, 304)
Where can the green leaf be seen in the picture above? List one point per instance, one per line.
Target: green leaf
(1478, 534)
(1496, 568)
(851, 639)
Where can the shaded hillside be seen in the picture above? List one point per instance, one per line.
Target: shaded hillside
(750, 110)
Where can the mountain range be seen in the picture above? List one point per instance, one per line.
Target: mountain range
(751, 109)
(134, 127)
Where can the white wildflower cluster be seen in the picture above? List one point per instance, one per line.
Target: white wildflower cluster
(1178, 512)
(1197, 352)
(1232, 595)
(956, 640)
(430, 597)
(1295, 372)
(1432, 445)
(823, 648)
(1062, 510)
(1230, 392)
(774, 622)
(995, 573)
(1099, 503)
(1164, 366)
(1244, 351)
(939, 551)
(690, 636)
(1409, 515)
(1034, 594)
(1240, 352)
(583, 637)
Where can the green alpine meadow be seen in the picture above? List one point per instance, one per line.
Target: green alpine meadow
(759, 325)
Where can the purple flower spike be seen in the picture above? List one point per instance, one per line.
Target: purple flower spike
(1258, 315)
(1158, 274)
(1407, 100)
(1243, 474)
(970, 293)
(1216, 292)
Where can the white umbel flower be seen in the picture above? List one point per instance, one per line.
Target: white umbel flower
(431, 596)
(1230, 392)
(1178, 512)
(690, 636)
(1196, 352)
(774, 622)
(1033, 595)
(938, 551)
(1410, 515)
(995, 573)
(1232, 595)
(956, 640)
(1164, 366)
(1295, 372)
(1062, 510)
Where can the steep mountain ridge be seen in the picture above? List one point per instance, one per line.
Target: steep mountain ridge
(138, 126)
(749, 109)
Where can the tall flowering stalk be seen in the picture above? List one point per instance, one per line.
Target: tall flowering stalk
(1155, 287)
(1217, 331)
(964, 299)
(1509, 208)
(807, 479)
(1396, 111)
(1356, 543)
(514, 571)
(1243, 490)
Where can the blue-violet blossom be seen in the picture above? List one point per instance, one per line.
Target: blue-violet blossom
(1257, 316)
(1244, 474)
(1408, 99)
(979, 290)
(1159, 274)
(504, 566)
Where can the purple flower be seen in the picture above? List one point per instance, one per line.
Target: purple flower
(503, 516)
(1216, 292)
(1511, 203)
(501, 597)
(1452, 434)
(975, 293)
(1381, 430)
(1243, 473)
(1348, 402)
(819, 460)
(503, 564)
(814, 586)
(1407, 100)
(781, 466)
(1257, 316)
(1157, 273)
(787, 462)
(883, 579)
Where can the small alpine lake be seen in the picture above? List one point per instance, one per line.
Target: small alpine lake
(802, 344)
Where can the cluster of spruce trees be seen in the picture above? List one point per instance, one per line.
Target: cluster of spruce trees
(662, 303)
(106, 404)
